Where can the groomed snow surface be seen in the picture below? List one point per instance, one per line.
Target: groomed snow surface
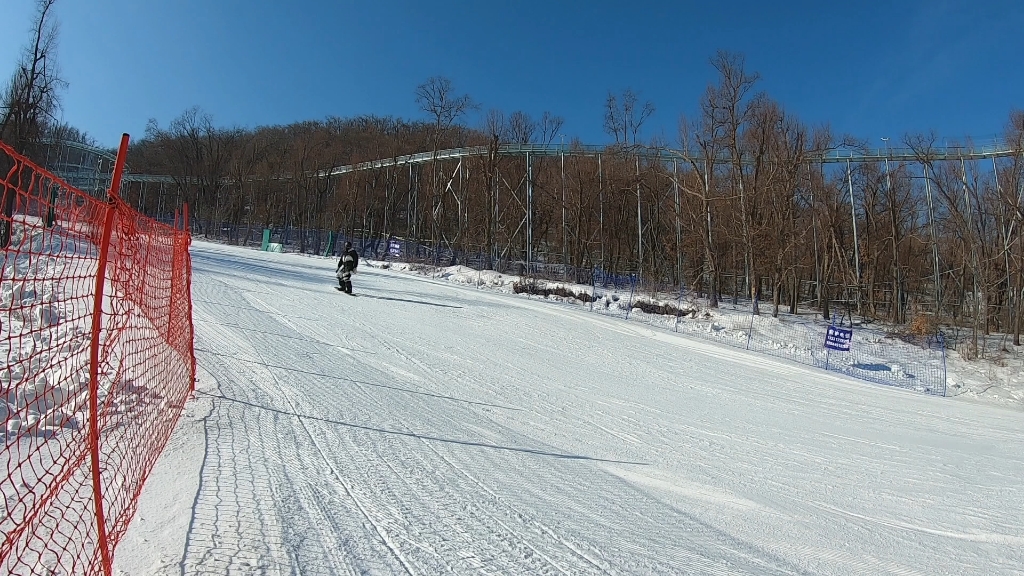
(428, 427)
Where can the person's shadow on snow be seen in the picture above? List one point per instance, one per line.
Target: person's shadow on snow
(365, 295)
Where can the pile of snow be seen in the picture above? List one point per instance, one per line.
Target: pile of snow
(457, 274)
(47, 284)
(46, 301)
(42, 337)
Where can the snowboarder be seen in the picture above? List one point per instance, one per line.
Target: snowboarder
(346, 266)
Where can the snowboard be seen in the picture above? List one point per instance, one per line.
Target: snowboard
(338, 288)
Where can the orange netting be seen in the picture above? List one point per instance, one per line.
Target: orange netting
(96, 330)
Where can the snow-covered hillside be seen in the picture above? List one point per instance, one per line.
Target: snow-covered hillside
(877, 356)
(432, 427)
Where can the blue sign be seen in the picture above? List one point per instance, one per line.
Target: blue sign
(395, 248)
(838, 339)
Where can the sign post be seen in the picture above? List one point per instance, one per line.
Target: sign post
(751, 329)
(838, 339)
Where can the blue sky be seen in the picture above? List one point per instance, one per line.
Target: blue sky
(864, 68)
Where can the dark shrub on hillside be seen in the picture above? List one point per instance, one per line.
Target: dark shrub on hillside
(663, 309)
(531, 287)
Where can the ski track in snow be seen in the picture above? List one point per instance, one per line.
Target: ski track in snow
(428, 428)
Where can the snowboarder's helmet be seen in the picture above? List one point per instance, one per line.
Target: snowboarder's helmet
(348, 244)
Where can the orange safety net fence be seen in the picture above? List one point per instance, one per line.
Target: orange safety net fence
(96, 336)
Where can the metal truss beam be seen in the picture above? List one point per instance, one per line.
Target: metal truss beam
(946, 152)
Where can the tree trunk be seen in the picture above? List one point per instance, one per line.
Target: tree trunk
(776, 295)
(794, 297)
(10, 195)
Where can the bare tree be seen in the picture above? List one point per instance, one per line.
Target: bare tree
(198, 157)
(436, 98)
(30, 100)
(623, 120)
(521, 127)
(731, 107)
(63, 132)
(550, 127)
(495, 127)
(1013, 200)
(498, 132)
(701, 141)
(244, 164)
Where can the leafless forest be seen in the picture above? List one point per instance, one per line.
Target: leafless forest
(749, 204)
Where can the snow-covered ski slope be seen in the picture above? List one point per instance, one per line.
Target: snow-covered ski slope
(429, 428)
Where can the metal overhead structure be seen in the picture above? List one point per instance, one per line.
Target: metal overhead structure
(991, 149)
(83, 165)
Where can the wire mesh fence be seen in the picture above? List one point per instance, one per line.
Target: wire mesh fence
(96, 331)
(915, 362)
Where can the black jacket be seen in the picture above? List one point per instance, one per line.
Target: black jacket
(349, 260)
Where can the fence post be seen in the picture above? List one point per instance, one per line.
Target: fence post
(51, 211)
(172, 304)
(679, 303)
(593, 291)
(942, 343)
(751, 329)
(632, 287)
(188, 296)
(94, 354)
(828, 351)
